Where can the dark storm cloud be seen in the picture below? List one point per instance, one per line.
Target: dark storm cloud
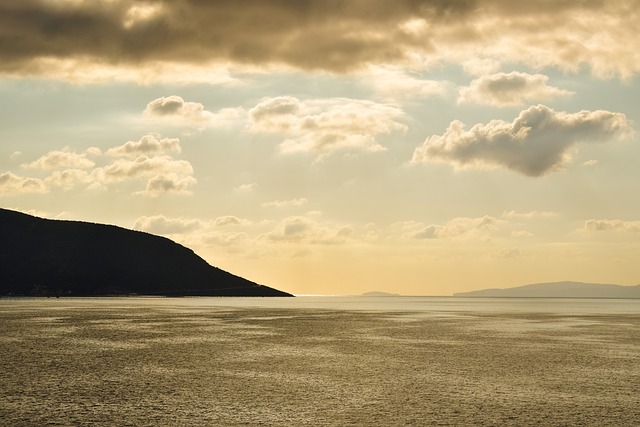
(326, 34)
(332, 35)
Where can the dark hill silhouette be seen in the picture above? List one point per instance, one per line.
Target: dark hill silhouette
(70, 258)
(559, 290)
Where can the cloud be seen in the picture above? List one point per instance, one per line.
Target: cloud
(170, 183)
(299, 229)
(394, 83)
(508, 225)
(512, 89)
(190, 113)
(513, 215)
(325, 125)
(11, 184)
(230, 239)
(285, 203)
(612, 225)
(88, 39)
(160, 224)
(507, 253)
(275, 114)
(223, 221)
(149, 145)
(174, 105)
(163, 173)
(61, 159)
(145, 159)
(196, 232)
(537, 142)
(70, 178)
(309, 35)
(140, 14)
(429, 232)
(94, 151)
(92, 70)
(458, 228)
(521, 234)
(246, 188)
(143, 166)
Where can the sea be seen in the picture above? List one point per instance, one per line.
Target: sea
(319, 361)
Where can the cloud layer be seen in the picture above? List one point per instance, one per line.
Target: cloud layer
(317, 34)
(537, 142)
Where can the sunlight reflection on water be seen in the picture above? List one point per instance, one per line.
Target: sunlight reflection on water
(319, 361)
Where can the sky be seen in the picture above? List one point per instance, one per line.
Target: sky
(420, 147)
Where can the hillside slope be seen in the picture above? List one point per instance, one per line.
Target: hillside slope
(51, 257)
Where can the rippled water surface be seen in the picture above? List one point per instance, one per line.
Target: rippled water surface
(319, 361)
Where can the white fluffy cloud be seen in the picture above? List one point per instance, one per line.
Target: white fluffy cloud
(169, 183)
(142, 160)
(11, 183)
(537, 142)
(325, 125)
(143, 166)
(61, 159)
(304, 229)
(149, 145)
(181, 112)
(509, 89)
(69, 178)
(246, 188)
(148, 158)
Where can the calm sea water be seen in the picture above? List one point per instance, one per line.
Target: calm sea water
(319, 361)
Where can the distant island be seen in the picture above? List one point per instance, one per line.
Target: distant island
(559, 290)
(379, 294)
(43, 257)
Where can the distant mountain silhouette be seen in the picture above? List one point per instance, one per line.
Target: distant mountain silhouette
(43, 257)
(379, 294)
(559, 290)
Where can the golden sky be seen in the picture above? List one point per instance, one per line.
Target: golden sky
(421, 147)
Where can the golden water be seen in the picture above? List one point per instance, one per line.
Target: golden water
(315, 361)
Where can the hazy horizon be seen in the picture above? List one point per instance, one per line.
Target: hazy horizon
(323, 147)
